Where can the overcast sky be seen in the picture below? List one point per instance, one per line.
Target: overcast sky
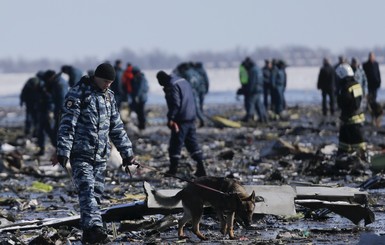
(74, 29)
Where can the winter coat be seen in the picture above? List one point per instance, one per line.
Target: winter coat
(127, 79)
(74, 75)
(204, 79)
(326, 79)
(30, 92)
(373, 75)
(360, 77)
(117, 86)
(243, 74)
(266, 71)
(349, 99)
(89, 120)
(255, 84)
(180, 100)
(139, 88)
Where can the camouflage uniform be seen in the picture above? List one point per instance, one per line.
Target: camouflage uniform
(89, 119)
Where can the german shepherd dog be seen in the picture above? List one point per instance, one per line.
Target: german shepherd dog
(227, 197)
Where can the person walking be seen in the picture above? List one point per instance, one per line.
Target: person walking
(90, 119)
(326, 83)
(373, 75)
(181, 117)
(349, 99)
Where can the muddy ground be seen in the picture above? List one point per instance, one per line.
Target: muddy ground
(246, 153)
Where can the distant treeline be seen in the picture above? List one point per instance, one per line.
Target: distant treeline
(293, 55)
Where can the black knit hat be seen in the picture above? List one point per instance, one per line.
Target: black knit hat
(163, 78)
(105, 71)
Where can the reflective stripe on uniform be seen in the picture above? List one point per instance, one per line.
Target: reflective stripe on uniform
(351, 147)
(356, 90)
(360, 118)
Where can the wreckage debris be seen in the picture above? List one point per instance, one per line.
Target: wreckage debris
(277, 157)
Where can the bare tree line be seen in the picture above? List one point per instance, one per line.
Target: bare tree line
(157, 59)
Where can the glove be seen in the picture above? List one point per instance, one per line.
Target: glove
(129, 161)
(62, 161)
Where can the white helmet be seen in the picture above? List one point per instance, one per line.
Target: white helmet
(344, 70)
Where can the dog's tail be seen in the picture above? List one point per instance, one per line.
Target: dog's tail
(167, 201)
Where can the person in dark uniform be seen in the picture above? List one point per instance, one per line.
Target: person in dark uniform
(139, 96)
(326, 83)
(74, 74)
(266, 70)
(373, 76)
(29, 97)
(349, 100)
(181, 120)
(117, 85)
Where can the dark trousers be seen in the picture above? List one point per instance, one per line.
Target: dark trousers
(325, 96)
(199, 107)
(185, 137)
(278, 99)
(138, 107)
(31, 121)
(351, 138)
(372, 94)
(266, 95)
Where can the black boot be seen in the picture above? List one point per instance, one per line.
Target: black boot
(200, 169)
(173, 167)
(94, 235)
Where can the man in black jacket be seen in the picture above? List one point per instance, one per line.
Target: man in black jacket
(181, 120)
(373, 75)
(326, 83)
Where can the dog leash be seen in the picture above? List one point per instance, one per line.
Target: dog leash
(138, 164)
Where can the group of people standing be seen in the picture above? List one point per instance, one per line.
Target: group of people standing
(350, 84)
(196, 75)
(43, 96)
(263, 89)
(131, 85)
(367, 75)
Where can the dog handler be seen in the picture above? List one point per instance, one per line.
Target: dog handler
(90, 118)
